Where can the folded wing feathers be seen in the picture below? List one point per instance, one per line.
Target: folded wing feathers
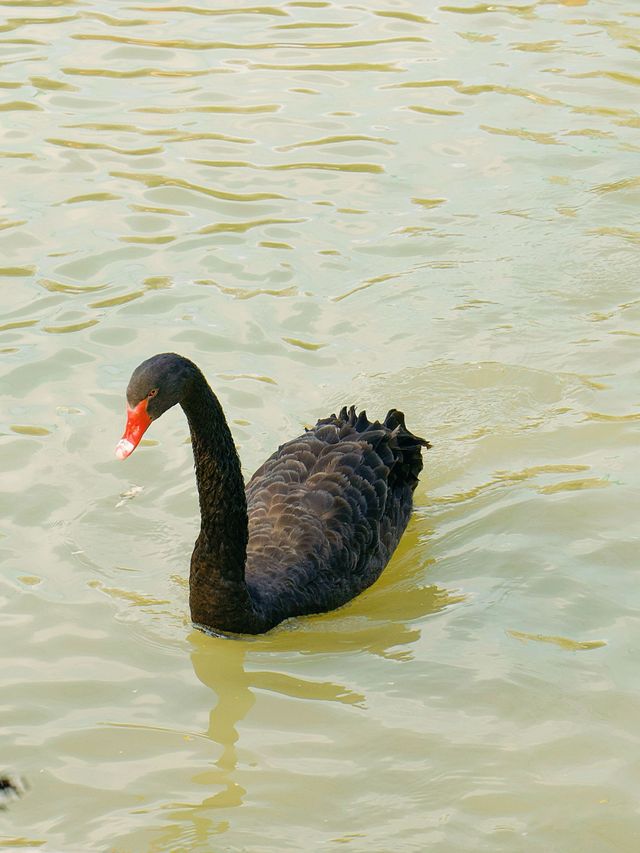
(402, 447)
(340, 489)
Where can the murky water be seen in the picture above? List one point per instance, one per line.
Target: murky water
(390, 203)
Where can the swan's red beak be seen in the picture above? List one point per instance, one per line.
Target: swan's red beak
(138, 421)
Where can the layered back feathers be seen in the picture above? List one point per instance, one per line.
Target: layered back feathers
(327, 509)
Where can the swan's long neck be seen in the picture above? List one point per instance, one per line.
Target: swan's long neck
(218, 591)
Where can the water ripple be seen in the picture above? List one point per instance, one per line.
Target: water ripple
(183, 44)
(273, 11)
(98, 146)
(132, 74)
(154, 181)
(370, 168)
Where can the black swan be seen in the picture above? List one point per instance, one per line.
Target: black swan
(317, 522)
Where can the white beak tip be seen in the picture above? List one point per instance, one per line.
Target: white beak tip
(124, 448)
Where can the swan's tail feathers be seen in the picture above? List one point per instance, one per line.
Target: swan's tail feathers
(406, 449)
(395, 420)
(400, 449)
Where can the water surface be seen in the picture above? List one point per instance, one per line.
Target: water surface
(433, 207)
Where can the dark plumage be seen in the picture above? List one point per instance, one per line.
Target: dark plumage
(317, 522)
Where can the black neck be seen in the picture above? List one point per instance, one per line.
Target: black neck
(218, 592)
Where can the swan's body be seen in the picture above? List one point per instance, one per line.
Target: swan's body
(318, 521)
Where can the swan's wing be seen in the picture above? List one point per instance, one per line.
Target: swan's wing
(328, 508)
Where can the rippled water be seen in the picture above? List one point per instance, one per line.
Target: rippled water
(390, 203)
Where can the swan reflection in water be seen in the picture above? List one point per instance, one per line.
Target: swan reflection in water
(243, 676)
(383, 623)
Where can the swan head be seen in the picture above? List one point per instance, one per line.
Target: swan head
(156, 385)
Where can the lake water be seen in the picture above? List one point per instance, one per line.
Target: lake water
(391, 203)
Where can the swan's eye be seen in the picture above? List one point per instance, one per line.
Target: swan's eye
(152, 393)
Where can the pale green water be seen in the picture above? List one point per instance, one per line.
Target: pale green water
(390, 203)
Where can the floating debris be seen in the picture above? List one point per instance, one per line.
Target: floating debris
(10, 788)
(129, 495)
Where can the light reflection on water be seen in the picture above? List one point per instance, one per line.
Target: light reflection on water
(321, 204)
